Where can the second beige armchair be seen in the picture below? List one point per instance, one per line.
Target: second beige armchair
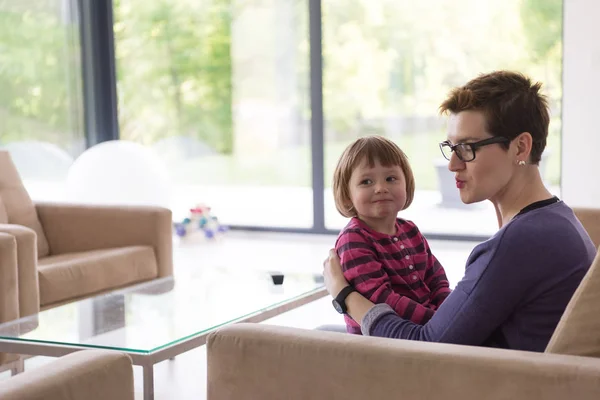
(264, 362)
(253, 362)
(65, 251)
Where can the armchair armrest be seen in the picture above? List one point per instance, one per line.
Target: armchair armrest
(9, 293)
(85, 375)
(265, 362)
(74, 228)
(28, 285)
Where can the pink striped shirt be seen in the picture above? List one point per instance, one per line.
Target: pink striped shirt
(398, 270)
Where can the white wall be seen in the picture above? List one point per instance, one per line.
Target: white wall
(581, 104)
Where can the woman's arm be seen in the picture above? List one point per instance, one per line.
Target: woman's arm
(358, 306)
(335, 281)
(496, 282)
(490, 291)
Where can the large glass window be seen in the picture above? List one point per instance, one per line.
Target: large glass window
(41, 110)
(390, 63)
(219, 89)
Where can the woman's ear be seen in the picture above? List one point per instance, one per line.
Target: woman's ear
(524, 144)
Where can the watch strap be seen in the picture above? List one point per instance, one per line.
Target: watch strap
(341, 297)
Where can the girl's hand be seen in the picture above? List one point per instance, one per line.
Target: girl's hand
(333, 274)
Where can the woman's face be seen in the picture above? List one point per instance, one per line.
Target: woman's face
(488, 175)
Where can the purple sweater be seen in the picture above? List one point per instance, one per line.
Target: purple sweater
(516, 286)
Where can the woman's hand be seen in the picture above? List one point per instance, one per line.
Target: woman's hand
(333, 274)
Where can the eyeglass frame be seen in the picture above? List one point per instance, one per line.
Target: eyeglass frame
(474, 146)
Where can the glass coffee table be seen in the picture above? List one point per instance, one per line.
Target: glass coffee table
(158, 320)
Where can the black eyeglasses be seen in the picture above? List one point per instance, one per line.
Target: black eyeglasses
(466, 151)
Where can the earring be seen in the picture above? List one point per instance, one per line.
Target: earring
(521, 162)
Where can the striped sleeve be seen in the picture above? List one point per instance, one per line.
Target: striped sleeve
(363, 270)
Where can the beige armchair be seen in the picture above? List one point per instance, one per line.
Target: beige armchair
(65, 252)
(84, 375)
(55, 253)
(268, 362)
(263, 362)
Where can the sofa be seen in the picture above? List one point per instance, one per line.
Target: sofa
(51, 254)
(83, 375)
(252, 361)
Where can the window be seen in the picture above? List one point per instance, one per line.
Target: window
(41, 115)
(219, 89)
(390, 63)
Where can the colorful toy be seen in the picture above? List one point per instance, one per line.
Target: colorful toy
(199, 220)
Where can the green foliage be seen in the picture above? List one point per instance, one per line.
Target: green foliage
(174, 71)
(387, 66)
(542, 24)
(39, 77)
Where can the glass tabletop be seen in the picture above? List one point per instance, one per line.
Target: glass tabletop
(147, 317)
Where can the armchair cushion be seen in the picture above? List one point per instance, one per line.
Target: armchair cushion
(84, 375)
(74, 228)
(18, 206)
(70, 276)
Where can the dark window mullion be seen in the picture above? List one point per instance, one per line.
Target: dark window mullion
(98, 71)
(316, 105)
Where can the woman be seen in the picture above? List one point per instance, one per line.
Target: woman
(518, 283)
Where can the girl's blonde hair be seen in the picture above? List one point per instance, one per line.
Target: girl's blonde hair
(370, 148)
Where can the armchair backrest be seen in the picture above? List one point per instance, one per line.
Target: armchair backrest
(578, 332)
(590, 219)
(16, 206)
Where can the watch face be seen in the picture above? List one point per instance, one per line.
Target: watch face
(337, 306)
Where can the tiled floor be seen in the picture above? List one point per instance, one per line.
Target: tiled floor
(185, 377)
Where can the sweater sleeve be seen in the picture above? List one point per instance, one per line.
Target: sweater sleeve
(478, 305)
(364, 271)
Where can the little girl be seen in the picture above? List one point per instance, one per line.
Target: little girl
(383, 257)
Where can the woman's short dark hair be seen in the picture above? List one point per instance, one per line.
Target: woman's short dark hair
(511, 104)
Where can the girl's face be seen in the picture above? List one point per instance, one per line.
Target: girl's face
(489, 174)
(377, 192)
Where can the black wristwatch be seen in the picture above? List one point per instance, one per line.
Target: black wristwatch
(339, 303)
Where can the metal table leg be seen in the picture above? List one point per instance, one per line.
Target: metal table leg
(148, 382)
(18, 366)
